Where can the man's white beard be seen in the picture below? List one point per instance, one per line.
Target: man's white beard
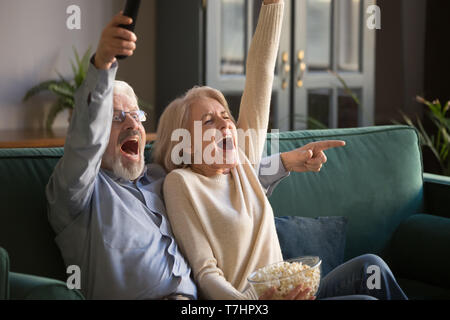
(130, 173)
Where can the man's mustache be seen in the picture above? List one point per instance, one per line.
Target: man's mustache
(129, 133)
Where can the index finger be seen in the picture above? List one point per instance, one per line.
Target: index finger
(328, 144)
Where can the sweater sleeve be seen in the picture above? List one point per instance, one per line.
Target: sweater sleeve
(255, 103)
(271, 172)
(191, 237)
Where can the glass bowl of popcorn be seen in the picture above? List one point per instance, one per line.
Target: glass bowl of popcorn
(287, 275)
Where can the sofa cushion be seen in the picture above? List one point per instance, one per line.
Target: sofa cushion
(323, 237)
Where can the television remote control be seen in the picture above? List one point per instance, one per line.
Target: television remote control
(131, 10)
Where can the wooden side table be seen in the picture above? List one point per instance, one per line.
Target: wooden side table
(39, 138)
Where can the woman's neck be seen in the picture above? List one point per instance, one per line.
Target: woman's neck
(210, 171)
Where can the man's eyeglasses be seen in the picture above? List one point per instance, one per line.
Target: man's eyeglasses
(138, 115)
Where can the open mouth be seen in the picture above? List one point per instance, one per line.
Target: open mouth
(130, 148)
(226, 144)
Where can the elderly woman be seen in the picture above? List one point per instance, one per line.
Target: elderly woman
(219, 212)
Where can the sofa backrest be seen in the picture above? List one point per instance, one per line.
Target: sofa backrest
(375, 181)
(24, 229)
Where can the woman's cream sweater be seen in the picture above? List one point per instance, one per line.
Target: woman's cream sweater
(224, 224)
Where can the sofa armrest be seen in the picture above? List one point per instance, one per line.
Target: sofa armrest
(437, 193)
(29, 287)
(420, 250)
(4, 275)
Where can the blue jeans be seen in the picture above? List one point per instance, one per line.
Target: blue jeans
(355, 280)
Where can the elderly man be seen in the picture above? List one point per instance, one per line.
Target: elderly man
(105, 205)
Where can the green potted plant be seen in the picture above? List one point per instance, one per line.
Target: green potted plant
(65, 89)
(62, 88)
(439, 143)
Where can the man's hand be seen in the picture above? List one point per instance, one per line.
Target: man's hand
(298, 293)
(310, 157)
(115, 41)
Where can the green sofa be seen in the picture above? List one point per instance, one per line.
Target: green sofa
(376, 181)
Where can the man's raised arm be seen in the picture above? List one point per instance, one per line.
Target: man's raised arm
(71, 185)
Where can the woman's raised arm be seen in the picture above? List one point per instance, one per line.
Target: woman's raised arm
(255, 103)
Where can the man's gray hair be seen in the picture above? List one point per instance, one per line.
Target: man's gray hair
(123, 88)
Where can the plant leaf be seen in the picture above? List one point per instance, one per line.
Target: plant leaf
(44, 86)
(316, 124)
(81, 68)
(313, 123)
(445, 154)
(65, 82)
(425, 102)
(61, 90)
(85, 59)
(347, 88)
(447, 107)
(407, 120)
(61, 78)
(67, 85)
(74, 68)
(429, 142)
(77, 57)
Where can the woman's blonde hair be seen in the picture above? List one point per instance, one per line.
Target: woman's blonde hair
(177, 116)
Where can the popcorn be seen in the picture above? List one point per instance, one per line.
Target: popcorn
(285, 276)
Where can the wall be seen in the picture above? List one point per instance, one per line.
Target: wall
(437, 65)
(400, 64)
(36, 43)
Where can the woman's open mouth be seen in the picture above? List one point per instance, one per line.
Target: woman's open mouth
(226, 144)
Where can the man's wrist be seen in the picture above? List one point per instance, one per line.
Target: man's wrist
(285, 161)
(100, 67)
(99, 64)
